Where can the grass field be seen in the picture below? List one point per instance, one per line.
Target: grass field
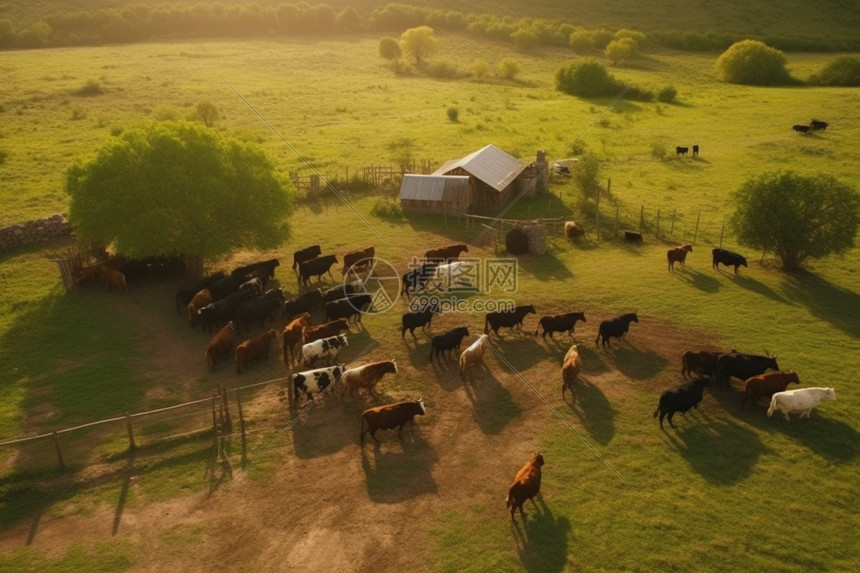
(729, 490)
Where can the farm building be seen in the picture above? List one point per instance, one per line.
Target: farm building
(451, 195)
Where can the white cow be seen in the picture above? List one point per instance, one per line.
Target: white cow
(455, 273)
(473, 355)
(324, 347)
(801, 401)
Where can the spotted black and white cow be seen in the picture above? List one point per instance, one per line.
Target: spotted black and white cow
(316, 381)
(323, 348)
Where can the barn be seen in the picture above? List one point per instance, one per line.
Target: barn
(494, 176)
(443, 195)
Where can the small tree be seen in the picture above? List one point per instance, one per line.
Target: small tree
(207, 113)
(796, 216)
(453, 114)
(480, 68)
(621, 49)
(586, 173)
(419, 43)
(389, 48)
(586, 78)
(751, 62)
(177, 188)
(509, 68)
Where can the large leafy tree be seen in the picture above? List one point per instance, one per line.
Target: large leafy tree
(751, 62)
(178, 188)
(419, 43)
(796, 216)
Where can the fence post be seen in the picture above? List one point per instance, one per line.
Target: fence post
(597, 214)
(722, 231)
(615, 227)
(241, 416)
(672, 226)
(131, 445)
(59, 452)
(214, 422)
(641, 218)
(227, 421)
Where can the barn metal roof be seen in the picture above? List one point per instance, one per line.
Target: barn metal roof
(490, 165)
(434, 187)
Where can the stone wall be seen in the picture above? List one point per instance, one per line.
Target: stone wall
(31, 232)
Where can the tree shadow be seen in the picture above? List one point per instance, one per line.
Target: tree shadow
(831, 303)
(721, 451)
(396, 476)
(541, 539)
(593, 409)
(755, 286)
(494, 407)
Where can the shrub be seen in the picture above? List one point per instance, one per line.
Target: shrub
(586, 78)
(207, 113)
(509, 68)
(659, 151)
(480, 68)
(751, 62)
(91, 88)
(843, 71)
(667, 94)
(387, 209)
(621, 49)
(453, 114)
(445, 69)
(389, 48)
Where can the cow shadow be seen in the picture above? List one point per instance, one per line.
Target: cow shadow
(397, 474)
(694, 278)
(757, 287)
(593, 409)
(323, 428)
(541, 538)
(518, 351)
(638, 364)
(834, 304)
(721, 451)
(494, 407)
(833, 440)
(594, 362)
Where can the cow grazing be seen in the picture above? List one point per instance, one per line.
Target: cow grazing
(573, 230)
(559, 323)
(389, 417)
(801, 401)
(767, 384)
(348, 308)
(368, 376)
(678, 255)
(742, 366)
(323, 348)
(511, 319)
(816, 125)
(292, 336)
(473, 355)
(615, 328)
(447, 341)
(526, 486)
(800, 128)
(253, 284)
(306, 254)
(416, 278)
(445, 254)
(422, 319)
(185, 293)
(325, 330)
(570, 369)
(695, 151)
(727, 258)
(359, 259)
(316, 268)
(682, 151)
(315, 381)
(265, 270)
(254, 349)
(680, 399)
(702, 363)
(306, 302)
(199, 300)
(221, 344)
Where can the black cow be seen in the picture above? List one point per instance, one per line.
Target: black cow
(801, 128)
(416, 278)
(220, 312)
(727, 258)
(447, 341)
(389, 417)
(306, 254)
(316, 268)
(348, 307)
(225, 286)
(695, 151)
(615, 328)
(510, 319)
(682, 151)
(260, 309)
(342, 291)
(559, 323)
(185, 293)
(702, 363)
(412, 320)
(306, 302)
(816, 125)
(263, 269)
(742, 366)
(680, 399)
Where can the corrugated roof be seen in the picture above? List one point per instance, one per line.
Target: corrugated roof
(434, 187)
(490, 165)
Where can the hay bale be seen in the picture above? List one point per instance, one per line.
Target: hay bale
(536, 233)
(517, 241)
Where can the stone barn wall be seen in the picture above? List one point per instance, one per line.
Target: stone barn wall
(36, 231)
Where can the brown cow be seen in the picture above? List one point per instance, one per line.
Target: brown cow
(570, 369)
(526, 486)
(293, 336)
(767, 384)
(198, 301)
(446, 253)
(390, 416)
(678, 255)
(360, 258)
(221, 344)
(325, 330)
(573, 230)
(367, 376)
(702, 363)
(113, 279)
(254, 349)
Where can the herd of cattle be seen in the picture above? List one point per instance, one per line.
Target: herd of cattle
(813, 125)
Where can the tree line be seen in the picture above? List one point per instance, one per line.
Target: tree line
(142, 22)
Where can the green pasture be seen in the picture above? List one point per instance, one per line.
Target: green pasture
(729, 490)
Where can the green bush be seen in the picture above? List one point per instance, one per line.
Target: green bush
(667, 94)
(751, 62)
(586, 78)
(508, 69)
(91, 88)
(389, 48)
(445, 69)
(453, 114)
(843, 71)
(387, 209)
